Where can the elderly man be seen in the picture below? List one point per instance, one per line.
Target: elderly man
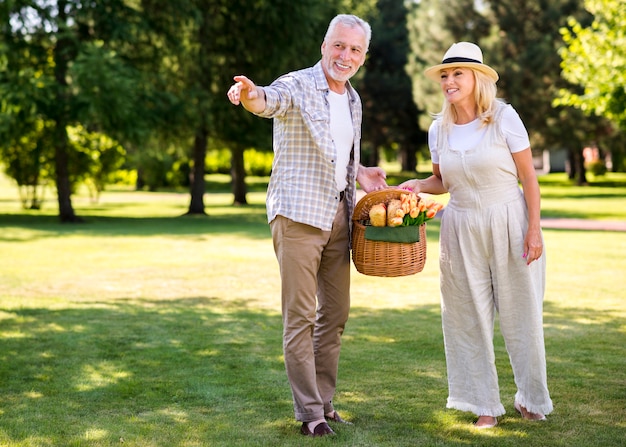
(310, 199)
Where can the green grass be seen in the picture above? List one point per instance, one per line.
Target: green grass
(603, 199)
(160, 330)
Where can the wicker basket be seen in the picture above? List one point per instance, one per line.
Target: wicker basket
(376, 258)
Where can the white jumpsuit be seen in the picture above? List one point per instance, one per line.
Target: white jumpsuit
(483, 271)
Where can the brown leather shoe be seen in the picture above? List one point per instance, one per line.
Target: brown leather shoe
(336, 418)
(322, 429)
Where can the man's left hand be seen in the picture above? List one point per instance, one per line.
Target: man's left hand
(371, 178)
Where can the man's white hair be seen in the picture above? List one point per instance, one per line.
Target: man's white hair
(350, 21)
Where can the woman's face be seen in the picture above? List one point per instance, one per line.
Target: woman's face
(458, 85)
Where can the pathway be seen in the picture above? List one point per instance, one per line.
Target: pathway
(583, 224)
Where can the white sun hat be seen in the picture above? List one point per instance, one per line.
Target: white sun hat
(463, 55)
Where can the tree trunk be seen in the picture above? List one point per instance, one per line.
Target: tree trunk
(238, 175)
(580, 168)
(197, 183)
(374, 157)
(62, 54)
(408, 158)
(62, 178)
(140, 182)
(570, 165)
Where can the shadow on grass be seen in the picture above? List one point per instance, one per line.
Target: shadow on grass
(136, 370)
(246, 224)
(206, 371)
(251, 224)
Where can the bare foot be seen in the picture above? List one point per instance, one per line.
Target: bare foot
(527, 414)
(486, 422)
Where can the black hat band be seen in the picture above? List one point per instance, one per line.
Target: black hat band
(452, 60)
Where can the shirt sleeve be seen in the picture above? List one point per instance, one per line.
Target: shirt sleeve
(432, 142)
(514, 130)
(279, 97)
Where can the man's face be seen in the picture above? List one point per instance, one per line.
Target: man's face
(343, 53)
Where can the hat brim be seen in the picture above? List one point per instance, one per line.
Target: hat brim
(433, 72)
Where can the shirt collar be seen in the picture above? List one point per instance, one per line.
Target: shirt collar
(321, 82)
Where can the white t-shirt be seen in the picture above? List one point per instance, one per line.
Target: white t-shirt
(466, 136)
(342, 133)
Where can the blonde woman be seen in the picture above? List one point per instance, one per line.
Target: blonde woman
(492, 256)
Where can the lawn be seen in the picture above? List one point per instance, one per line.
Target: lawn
(143, 327)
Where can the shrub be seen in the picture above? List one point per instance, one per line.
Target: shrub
(256, 162)
(597, 167)
(217, 161)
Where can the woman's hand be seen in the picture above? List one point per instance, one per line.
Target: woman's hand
(428, 185)
(413, 185)
(533, 245)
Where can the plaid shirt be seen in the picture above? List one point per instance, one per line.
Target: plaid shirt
(302, 186)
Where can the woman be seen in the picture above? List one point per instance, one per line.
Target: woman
(491, 242)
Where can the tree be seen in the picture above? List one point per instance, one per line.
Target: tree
(521, 41)
(594, 60)
(524, 50)
(433, 26)
(594, 57)
(80, 61)
(219, 39)
(96, 157)
(27, 159)
(390, 116)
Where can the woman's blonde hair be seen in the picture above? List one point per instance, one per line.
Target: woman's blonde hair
(485, 92)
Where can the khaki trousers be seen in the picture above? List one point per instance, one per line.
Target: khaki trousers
(315, 278)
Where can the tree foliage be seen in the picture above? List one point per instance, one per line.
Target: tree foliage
(96, 159)
(433, 26)
(74, 62)
(520, 40)
(218, 39)
(524, 49)
(594, 58)
(82, 82)
(27, 159)
(390, 116)
(255, 40)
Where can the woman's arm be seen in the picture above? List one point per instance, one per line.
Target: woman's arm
(429, 185)
(533, 242)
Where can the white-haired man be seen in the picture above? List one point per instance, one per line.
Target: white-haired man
(310, 199)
